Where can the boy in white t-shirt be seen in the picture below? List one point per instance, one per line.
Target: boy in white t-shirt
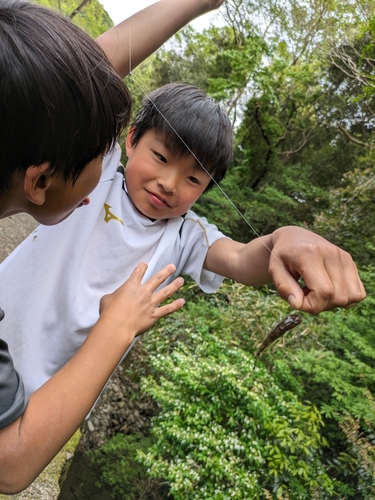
(62, 106)
(145, 215)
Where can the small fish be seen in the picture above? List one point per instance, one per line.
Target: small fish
(286, 324)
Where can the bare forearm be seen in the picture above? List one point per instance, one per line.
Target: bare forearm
(247, 264)
(133, 40)
(251, 264)
(56, 410)
(330, 275)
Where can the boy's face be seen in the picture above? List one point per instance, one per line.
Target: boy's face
(62, 197)
(160, 185)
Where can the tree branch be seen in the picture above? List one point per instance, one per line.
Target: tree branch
(353, 139)
(79, 8)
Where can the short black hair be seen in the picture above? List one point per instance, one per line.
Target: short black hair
(61, 100)
(199, 121)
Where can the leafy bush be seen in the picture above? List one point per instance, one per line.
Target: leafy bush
(119, 472)
(226, 431)
(339, 369)
(361, 438)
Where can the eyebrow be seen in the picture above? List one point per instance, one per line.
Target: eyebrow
(162, 140)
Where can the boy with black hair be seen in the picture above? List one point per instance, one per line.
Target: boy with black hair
(62, 107)
(178, 146)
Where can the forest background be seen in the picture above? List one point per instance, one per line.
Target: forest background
(298, 82)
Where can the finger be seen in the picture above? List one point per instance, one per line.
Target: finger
(326, 284)
(355, 289)
(169, 290)
(286, 283)
(329, 272)
(138, 272)
(345, 288)
(162, 311)
(169, 308)
(161, 276)
(319, 290)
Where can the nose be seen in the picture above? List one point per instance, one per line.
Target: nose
(168, 181)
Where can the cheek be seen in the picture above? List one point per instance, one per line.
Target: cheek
(93, 184)
(192, 195)
(133, 177)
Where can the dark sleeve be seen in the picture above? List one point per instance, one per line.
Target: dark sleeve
(13, 399)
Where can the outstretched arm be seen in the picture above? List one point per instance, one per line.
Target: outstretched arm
(56, 410)
(330, 275)
(147, 30)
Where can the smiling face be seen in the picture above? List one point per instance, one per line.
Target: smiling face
(160, 185)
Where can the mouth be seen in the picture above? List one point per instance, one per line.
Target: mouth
(157, 201)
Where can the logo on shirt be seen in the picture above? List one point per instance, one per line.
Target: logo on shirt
(109, 215)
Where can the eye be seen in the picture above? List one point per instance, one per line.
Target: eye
(160, 157)
(194, 180)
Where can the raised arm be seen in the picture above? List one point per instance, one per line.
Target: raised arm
(147, 30)
(56, 410)
(330, 275)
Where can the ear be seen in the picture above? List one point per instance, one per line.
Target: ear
(128, 143)
(36, 183)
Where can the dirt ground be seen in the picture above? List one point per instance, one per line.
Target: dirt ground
(13, 230)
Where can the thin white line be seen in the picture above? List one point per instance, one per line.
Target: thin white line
(130, 53)
(197, 159)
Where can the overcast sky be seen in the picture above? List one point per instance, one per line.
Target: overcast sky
(121, 9)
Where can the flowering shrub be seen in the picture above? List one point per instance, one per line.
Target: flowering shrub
(228, 432)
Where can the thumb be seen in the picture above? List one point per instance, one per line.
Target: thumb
(287, 286)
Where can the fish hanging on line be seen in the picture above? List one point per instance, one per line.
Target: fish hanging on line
(286, 324)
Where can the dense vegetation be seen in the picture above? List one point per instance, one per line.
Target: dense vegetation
(298, 426)
(298, 81)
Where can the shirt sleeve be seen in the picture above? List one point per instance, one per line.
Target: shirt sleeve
(13, 400)
(197, 235)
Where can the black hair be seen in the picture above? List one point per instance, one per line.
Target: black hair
(61, 100)
(199, 121)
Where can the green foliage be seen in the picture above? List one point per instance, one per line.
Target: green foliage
(226, 431)
(362, 450)
(92, 18)
(351, 208)
(340, 369)
(119, 472)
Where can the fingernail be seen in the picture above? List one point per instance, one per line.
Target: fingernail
(291, 300)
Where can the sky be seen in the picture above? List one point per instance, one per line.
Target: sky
(121, 9)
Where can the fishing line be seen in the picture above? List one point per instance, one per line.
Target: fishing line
(289, 321)
(193, 154)
(201, 165)
(280, 327)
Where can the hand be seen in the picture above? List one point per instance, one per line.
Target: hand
(212, 4)
(201, 7)
(133, 307)
(330, 275)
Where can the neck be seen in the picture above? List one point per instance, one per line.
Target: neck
(12, 202)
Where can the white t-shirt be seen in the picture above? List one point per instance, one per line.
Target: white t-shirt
(52, 283)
